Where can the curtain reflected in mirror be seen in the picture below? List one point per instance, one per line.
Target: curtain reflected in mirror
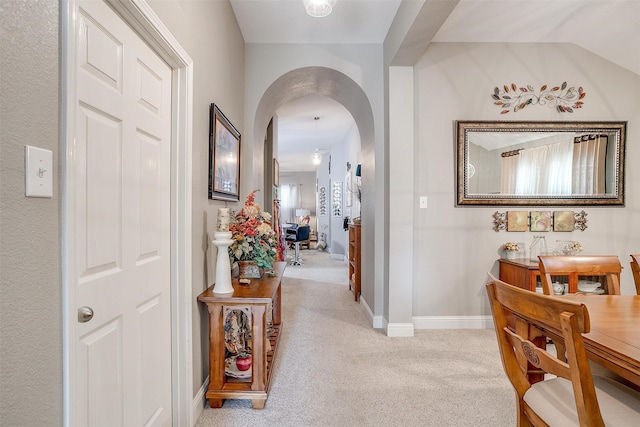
(559, 169)
(552, 163)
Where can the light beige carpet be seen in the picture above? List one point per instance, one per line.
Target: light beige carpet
(333, 369)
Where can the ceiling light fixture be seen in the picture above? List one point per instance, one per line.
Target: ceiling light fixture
(317, 158)
(319, 8)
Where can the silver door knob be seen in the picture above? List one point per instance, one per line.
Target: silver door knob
(85, 314)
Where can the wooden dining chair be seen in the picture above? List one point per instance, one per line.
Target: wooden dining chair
(570, 395)
(635, 270)
(607, 266)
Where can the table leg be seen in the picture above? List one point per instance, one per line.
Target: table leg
(276, 306)
(258, 403)
(217, 377)
(215, 403)
(259, 347)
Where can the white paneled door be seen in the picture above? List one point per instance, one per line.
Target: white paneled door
(121, 372)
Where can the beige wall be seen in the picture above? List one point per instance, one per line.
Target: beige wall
(30, 282)
(208, 32)
(452, 82)
(456, 246)
(30, 290)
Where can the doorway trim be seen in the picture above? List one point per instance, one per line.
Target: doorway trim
(139, 15)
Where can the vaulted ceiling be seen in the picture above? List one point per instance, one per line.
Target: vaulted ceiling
(608, 28)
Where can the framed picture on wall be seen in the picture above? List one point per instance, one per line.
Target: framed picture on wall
(224, 157)
(336, 199)
(322, 201)
(348, 189)
(276, 172)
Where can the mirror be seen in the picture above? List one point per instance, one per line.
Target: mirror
(540, 163)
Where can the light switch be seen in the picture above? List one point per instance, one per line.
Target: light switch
(38, 165)
(423, 202)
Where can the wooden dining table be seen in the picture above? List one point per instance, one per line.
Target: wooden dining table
(614, 338)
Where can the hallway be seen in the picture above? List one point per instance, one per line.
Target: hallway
(333, 369)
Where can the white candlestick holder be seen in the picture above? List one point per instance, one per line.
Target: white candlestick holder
(222, 240)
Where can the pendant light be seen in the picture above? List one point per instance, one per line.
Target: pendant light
(319, 8)
(317, 157)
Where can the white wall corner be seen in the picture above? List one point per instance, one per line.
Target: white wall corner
(401, 199)
(400, 330)
(377, 322)
(453, 322)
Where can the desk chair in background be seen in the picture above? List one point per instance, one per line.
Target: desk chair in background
(296, 235)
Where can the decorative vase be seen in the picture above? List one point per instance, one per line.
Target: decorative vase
(538, 247)
(222, 239)
(511, 254)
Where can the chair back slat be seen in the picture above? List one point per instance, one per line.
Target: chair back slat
(635, 270)
(536, 312)
(537, 356)
(607, 266)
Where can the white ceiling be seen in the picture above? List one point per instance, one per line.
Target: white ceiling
(300, 135)
(608, 28)
(286, 21)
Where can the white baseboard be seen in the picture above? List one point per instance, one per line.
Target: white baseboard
(400, 329)
(377, 322)
(453, 322)
(199, 402)
(425, 322)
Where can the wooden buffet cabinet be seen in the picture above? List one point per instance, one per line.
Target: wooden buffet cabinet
(521, 273)
(354, 260)
(257, 297)
(524, 274)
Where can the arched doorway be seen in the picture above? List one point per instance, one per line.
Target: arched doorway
(343, 89)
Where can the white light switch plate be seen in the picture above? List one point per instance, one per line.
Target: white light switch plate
(38, 166)
(423, 202)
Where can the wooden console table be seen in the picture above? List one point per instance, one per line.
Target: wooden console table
(258, 296)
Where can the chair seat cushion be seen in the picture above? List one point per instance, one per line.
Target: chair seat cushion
(553, 401)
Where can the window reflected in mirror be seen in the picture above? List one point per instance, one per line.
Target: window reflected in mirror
(540, 163)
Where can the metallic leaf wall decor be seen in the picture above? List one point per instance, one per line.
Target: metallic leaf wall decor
(559, 97)
(499, 221)
(581, 220)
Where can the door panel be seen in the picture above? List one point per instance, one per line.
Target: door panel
(101, 199)
(122, 225)
(103, 387)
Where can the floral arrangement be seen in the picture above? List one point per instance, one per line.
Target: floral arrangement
(575, 246)
(572, 247)
(510, 246)
(253, 237)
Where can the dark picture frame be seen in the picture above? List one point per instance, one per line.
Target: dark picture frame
(224, 157)
(276, 172)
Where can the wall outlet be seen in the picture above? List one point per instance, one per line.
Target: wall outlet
(423, 202)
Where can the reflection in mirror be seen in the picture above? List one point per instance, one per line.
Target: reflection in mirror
(540, 163)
